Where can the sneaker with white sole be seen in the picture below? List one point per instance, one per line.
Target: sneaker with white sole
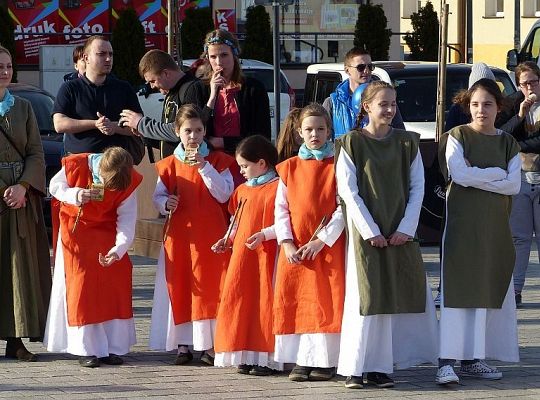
(446, 375)
(480, 369)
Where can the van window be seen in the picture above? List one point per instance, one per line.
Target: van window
(266, 77)
(532, 48)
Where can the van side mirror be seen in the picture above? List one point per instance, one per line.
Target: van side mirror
(511, 59)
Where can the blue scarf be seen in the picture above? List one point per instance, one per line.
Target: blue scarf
(327, 150)
(179, 152)
(95, 159)
(260, 180)
(6, 103)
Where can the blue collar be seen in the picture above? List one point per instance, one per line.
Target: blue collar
(6, 103)
(327, 150)
(95, 159)
(260, 180)
(179, 152)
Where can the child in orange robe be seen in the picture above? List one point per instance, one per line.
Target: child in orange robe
(244, 323)
(309, 289)
(90, 313)
(193, 185)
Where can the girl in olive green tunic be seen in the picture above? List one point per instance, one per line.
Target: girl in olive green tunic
(478, 318)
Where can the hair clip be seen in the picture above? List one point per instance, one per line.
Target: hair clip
(218, 40)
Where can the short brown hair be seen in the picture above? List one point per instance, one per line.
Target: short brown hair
(115, 168)
(185, 112)
(156, 61)
(526, 66)
(78, 53)
(368, 94)
(314, 110)
(355, 52)
(91, 40)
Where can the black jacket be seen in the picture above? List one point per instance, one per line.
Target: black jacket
(510, 122)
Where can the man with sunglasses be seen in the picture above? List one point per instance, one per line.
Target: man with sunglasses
(358, 67)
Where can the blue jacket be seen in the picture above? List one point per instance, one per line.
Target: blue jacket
(343, 117)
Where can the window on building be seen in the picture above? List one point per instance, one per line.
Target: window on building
(408, 7)
(530, 8)
(494, 8)
(537, 8)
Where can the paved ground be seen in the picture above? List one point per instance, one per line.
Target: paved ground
(151, 374)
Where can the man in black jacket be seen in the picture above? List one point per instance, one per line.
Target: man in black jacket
(161, 71)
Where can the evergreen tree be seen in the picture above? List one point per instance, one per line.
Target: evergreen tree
(7, 38)
(258, 40)
(371, 32)
(423, 42)
(197, 23)
(128, 46)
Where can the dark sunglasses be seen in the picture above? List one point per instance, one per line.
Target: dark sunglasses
(362, 67)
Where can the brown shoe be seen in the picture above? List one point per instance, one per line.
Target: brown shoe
(15, 349)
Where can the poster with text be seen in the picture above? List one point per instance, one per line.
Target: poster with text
(80, 19)
(225, 19)
(31, 19)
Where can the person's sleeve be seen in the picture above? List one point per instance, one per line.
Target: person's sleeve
(464, 175)
(509, 185)
(64, 102)
(397, 122)
(327, 105)
(332, 231)
(282, 215)
(152, 129)
(530, 144)
(60, 190)
(409, 222)
(131, 100)
(195, 94)
(269, 233)
(125, 225)
(160, 196)
(219, 184)
(348, 191)
(515, 126)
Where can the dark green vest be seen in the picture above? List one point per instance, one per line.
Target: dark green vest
(479, 253)
(390, 280)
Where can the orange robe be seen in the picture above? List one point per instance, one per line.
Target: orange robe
(308, 297)
(194, 273)
(94, 294)
(244, 320)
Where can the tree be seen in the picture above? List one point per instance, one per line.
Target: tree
(7, 38)
(423, 42)
(371, 32)
(128, 45)
(258, 41)
(197, 23)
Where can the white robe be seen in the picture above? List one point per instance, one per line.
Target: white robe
(164, 334)
(109, 337)
(318, 350)
(377, 343)
(480, 333)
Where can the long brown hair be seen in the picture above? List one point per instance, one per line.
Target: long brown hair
(287, 146)
(368, 95)
(115, 168)
(220, 36)
(463, 97)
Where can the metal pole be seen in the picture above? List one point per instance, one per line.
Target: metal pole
(170, 25)
(441, 73)
(277, 89)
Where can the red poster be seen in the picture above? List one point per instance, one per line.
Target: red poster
(153, 17)
(184, 5)
(31, 19)
(225, 19)
(82, 18)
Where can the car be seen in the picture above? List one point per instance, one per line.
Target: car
(53, 143)
(151, 101)
(415, 83)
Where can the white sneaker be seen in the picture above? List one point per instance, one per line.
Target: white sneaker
(480, 369)
(437, 300)
(445, 375)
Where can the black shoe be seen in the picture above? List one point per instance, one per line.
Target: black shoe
(261, 371)
(207, 358)
(518, 300)
(183, 358)
(112, 359)
(299, 373)
(244, 369)
(354, 382)
(89, 362)
(379, 379)
(15, 349)
(321, 374)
